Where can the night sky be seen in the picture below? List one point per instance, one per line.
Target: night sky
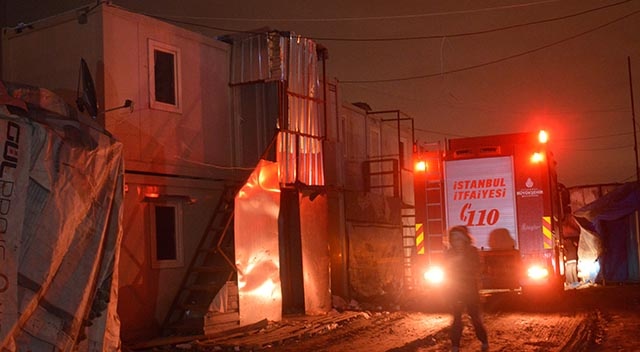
(459, 68)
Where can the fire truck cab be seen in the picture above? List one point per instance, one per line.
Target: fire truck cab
(504, 189)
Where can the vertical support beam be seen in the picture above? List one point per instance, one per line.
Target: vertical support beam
(633, 119)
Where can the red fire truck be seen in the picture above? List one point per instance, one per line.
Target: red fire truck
(504, 189)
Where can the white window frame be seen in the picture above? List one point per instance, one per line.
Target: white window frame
(170, 49)
(166, 263)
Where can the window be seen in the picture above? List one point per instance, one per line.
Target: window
(166, 234)
(164, 77)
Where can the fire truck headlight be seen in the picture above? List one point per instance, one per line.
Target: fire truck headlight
(434, 275)
(537, 272)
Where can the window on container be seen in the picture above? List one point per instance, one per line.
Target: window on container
(164, 73)
(164, 77)
(166, 235)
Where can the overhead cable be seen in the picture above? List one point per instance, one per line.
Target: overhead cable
(175, 19)
(492, 62)
(367, 18)
(466, 34)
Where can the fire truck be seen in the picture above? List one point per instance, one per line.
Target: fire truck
(504, 188)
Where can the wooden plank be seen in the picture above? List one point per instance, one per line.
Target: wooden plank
(309, 325)
(217, 318)
(172, 340)
(244, 336)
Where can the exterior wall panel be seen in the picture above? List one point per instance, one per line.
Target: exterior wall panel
(44, 55)
(194, 146)
(161, 141)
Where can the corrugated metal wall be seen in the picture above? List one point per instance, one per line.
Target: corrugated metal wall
(293, 60)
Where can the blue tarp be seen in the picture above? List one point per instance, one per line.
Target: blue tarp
(613, 218)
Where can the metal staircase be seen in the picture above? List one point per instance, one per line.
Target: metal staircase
(211, 267)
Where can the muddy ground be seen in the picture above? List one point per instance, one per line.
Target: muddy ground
(589, 319)
(597, 318)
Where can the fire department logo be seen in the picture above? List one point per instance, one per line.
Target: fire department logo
(530, 190)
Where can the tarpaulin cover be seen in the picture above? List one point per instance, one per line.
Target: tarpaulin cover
(589, 250)
(60, 228)
(611, 217)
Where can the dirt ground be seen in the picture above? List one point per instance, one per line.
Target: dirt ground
(600, 318)
(593, 319)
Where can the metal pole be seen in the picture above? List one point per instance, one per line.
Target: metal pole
(633, 115)
(400, 158)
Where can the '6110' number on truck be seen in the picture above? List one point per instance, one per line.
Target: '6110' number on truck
(481, 217)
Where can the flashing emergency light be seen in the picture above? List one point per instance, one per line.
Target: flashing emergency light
(537, 157)
(420, 166)
(434, 275)
(537, 272)
(543, 137)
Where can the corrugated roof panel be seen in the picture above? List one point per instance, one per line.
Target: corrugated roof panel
(258, 57)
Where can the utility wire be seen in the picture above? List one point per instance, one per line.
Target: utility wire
(167, 19)
(466, 34)
(489, 108)
(595, 137)
(468, 68)
(368, 18)
(439, 132)
(441, 36)
(450, 36)
(564, 140)
(628, 146)
(175, 19)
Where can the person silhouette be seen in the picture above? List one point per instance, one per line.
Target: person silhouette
(462, 265)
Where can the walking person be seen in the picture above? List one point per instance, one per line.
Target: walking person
(571, 262)
(463, 272)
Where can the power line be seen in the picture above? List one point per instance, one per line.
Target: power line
(439, 132)
(474, 66)
(595, 137)
(628, 146)
(222, 29)
(367, 18)
(175, 19)
(558, 112)
(468, 68)
(466, 34)
(629, 178)
(564, 140)
(490, 108)
(452, 35)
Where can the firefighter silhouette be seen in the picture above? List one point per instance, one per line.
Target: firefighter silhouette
(463, 267)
